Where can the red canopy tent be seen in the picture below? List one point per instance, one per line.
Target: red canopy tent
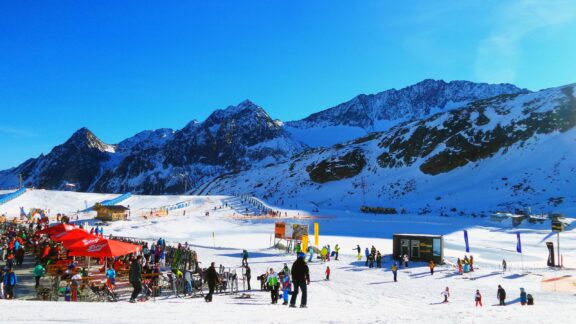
(83, 242)
(69, 236)
(105, 249)
(57, 229)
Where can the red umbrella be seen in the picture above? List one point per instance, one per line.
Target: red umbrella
(105, 249)
(57, 229)
(72, 235)
(81, 243)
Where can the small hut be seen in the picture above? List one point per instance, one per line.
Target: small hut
(110, 213)
(419, 247)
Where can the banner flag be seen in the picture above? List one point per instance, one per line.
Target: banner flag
(518, 244)
(466, 241)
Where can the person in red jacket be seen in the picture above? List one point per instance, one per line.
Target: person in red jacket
(327, 273)
(478, 298)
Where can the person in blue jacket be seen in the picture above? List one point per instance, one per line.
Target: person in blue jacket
(286, 287)
(311, 251)
(10, 280)
(367, 253)
(111, 277)
(523, 297)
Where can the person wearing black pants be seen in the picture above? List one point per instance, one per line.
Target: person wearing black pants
(300, 278)
(501, 295)
(212, 279)
(135, 278)
(248, 275)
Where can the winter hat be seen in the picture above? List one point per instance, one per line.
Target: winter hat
(301, 255)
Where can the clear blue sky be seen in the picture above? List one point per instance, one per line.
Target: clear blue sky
(119, 67)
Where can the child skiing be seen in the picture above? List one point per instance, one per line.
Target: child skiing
(446, 294)
(395, 271)
(359, 250)
(327, 273)
(478, 298)
(286, 287)
(431, 265)
(273, 285)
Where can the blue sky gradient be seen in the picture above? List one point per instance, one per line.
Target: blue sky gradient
(120, 67)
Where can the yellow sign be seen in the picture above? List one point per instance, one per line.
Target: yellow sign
(304, 243)
(316, 234)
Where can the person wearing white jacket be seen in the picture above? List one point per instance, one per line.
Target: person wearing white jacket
(446, 294)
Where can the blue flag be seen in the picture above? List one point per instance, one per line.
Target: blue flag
(518, 244)
(466, 241)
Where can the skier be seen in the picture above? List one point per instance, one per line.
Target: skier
(367, 253)
(135, 278)
(244, 258)
(501, 295)
(328, 252)
(336, 250)
(446, 294)
(378, 260)
(523, 297)
(371, 261)
(503, 265)
(460, 270)
(471, 263)
(395, 271)
(358, 250)
(311, 251)
(323, 254)
(327, 273)
(300, 278)
(478, 298)
(286, 287)
(286, 269)
(273, 285)
(431, 265)
(248, 275)
(212, 279)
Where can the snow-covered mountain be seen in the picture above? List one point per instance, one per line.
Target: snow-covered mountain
(378, 112)
(162, 161)
(506, 152)
(444, 145)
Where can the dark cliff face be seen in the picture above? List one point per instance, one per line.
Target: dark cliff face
(223, 139)
(229, 140)
(77, 161)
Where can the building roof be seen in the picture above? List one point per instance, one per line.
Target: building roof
(115, 208)
(419, 235)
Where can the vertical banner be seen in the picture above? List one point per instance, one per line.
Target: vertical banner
(518, 243)
(304, 243)
(466, 241)
(316, 233)
(551, 261)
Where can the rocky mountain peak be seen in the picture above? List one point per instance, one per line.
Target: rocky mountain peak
(84, 138)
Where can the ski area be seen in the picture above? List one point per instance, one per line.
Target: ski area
(359, 289)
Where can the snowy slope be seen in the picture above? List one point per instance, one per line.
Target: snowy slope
(513, 151)
(354, 292)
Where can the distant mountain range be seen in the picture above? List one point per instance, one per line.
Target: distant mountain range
(396, 144)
